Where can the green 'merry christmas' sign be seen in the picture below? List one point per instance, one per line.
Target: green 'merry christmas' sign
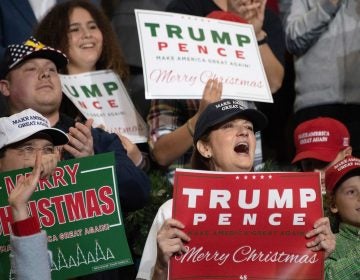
(79, 208)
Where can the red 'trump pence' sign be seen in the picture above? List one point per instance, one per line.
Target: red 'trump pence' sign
(247, 225)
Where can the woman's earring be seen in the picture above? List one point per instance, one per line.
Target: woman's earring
(208, 156)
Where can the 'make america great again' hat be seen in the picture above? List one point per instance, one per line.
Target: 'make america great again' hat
(223, 110)
(320, 138)
(341, 171)
(25, 124)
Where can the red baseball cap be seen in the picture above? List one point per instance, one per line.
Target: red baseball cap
(321, 138)
(340, 171)
(227, 16)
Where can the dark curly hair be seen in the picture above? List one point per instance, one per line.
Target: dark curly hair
(52, 28)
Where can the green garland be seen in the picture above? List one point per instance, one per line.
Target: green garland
(138, 223)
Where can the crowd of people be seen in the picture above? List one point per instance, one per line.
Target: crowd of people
(310, 53)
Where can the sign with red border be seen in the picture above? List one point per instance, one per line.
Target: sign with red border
(247, 225)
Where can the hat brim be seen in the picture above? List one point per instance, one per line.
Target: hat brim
(58, 137)
(326, 155)
(48, 53)
(341, 179)
(59, 59)
(257, 118)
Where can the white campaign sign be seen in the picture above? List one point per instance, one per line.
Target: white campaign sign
(181, 52)
(101, 95)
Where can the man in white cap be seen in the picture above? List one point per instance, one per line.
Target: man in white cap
(27, 140)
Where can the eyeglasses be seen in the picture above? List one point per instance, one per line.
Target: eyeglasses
(31, 151)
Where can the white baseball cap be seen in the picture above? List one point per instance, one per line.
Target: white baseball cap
(22, 125)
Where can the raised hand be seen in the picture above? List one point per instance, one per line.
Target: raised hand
(212, 93)
(43, 167)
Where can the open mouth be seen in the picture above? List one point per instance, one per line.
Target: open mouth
(242, 148)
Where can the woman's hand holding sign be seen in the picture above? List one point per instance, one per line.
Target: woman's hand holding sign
(170, 241)
(212, 93)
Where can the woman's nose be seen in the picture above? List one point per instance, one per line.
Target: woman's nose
(241, 130)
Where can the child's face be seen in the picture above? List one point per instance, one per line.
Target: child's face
(23, 154)
(347, 201)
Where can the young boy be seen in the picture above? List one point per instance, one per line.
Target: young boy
(343, 185)
(28, 140)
